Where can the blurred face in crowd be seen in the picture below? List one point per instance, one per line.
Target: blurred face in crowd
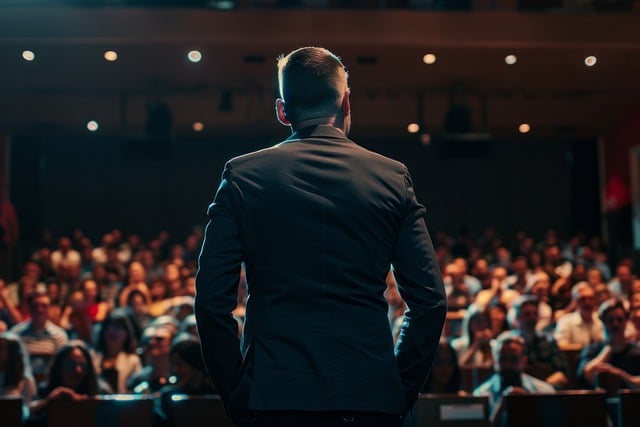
(594, 276)
(634, 301)
(181, 369)
(90, 290)
(615, 321)
(624, 274)
(39, 310)
(511, 361)
(528, 316)
(115, 334)
(444, 365)
(586, 300)
(159, 341)
(74, 368)
(136, 272)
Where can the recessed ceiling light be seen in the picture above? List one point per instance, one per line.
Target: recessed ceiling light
(510, 59)
(28, 55)
(524, 128)
(111, 55)
(429, 59)
(194, 56)
(198, 126)
(413, 128)
(590, 61)
(92, 125)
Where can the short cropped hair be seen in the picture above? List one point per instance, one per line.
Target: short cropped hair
(311, 81)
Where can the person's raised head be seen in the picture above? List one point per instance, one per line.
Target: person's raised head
(313, 89)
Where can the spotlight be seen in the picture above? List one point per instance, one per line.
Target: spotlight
(510, 59)
(198, 126)
(524, 128)
(92, 126)
(590, 61)
(28, 55)
(413, 128)
(194, 56)
(429, 59)
(111, 55)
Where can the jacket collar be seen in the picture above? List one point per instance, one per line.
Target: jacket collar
(317, 131)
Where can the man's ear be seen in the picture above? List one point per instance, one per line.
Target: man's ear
(281, 115)
(346, 104)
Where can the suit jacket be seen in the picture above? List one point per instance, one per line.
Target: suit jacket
(317, 220)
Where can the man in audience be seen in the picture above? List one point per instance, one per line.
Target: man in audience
(620, 284)
(615, 362)
(156, 342)
(582, 325)
(544, 359)
(510, 355)
(41, 338)
(65, 260)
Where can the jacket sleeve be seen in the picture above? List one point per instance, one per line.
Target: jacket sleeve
(421, 286)
(217, 280)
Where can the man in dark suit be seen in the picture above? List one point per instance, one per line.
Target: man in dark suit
(318, 221)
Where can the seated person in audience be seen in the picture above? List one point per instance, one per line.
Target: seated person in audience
(459, 296)
(473, 347)
(135, 280)
(15, 372)
(498, 292)
(519, 280)
(75, 318)
(510, 354)
(137, 309)
(156, 342)
(498, 317)
(615, 362)
(545, 360)
(582, 325)
(445, 376)
(188, 375)
(96, 309)
(538, 287)
(72, 376)
(41, 338)
(621, 284)
(160, 297)
(116, 359)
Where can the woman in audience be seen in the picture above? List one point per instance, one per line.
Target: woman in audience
(96, 308)
(72, 376)
(445, 377)
(137, 309)
(15, 372)
(75, 319)
(116, 359)
(473, 348)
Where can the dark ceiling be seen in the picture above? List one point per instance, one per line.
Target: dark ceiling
(550, 87)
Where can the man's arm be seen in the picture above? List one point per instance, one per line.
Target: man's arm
(217, 288)
(420, 285)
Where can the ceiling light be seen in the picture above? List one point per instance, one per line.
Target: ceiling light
(198, 126)
(194, 56)
(429, 59)
(28, 55)
(590, 61)
(111, 55)
(524, 128)
(510, 59)
(92, 125)
(413, 128)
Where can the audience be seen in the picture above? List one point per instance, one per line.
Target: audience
(523, 304)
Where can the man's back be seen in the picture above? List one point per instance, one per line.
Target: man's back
(318, 221)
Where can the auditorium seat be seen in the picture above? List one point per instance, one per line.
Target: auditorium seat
(101, 411)
(572, 408)
(198, 411)
(11, 411)
(450, 410)
(629, 408)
